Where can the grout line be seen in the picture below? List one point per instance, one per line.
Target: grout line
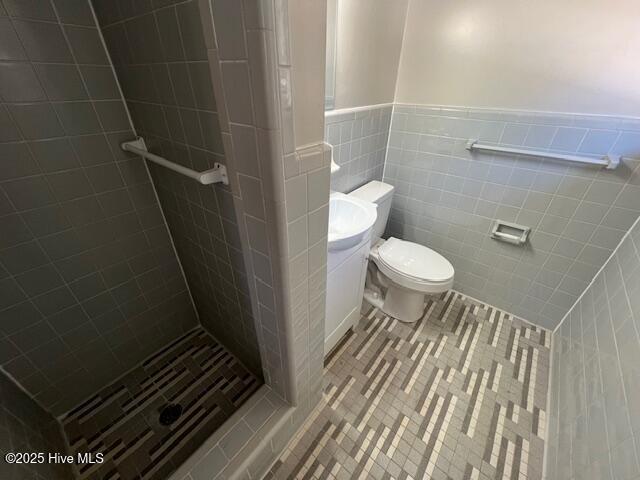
(598, 273)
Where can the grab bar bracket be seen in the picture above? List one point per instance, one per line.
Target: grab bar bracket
(217, 174)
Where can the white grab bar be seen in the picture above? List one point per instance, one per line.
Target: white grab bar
(610, 161)
(218, 174)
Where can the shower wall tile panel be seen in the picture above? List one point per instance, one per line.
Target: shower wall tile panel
(359, 141)
(160, 56)
(26, 427)
(447, 198)
(89, 281)
(595, 381)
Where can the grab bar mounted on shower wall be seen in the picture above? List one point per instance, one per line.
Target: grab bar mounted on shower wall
(218, 174)
(609, 162)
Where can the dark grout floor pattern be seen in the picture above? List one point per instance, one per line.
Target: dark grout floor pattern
(122, 420)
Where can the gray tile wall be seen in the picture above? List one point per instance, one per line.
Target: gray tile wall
(280, 192)
(359, 141)
(447, 198)
(281, 195)
(595, 381)
(160, 56)
(89, 281)
(26, 427)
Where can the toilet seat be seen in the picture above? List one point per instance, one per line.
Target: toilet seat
(413, 266)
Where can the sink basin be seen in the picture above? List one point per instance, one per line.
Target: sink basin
(350, 221)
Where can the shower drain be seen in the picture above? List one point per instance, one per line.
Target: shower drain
(170, 413)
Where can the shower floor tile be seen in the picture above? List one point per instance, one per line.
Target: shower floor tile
(122, 421)
(460, 394)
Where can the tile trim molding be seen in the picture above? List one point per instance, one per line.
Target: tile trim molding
(511, 110)
(363, 108)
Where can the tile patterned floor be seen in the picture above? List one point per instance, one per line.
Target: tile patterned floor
(460, 394)
(122, 421)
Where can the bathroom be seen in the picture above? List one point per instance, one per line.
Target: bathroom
(319, 239)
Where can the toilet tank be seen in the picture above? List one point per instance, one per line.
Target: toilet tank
(381, 194)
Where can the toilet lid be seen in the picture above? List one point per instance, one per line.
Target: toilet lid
(415, 260)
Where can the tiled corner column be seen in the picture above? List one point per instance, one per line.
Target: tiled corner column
(280, 193)
(595, 375)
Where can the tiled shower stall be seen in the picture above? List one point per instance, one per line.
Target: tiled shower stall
(160, 58)
(127, 287)
(85, 246)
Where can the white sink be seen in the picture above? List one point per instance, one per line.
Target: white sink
(350, 221)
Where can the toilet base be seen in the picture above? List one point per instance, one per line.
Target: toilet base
(403, 304)
(399, 303)
(395, 300)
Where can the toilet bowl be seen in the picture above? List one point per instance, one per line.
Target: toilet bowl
(400, 273)
(407, 271)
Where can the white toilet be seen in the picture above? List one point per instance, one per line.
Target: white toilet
(400, 273)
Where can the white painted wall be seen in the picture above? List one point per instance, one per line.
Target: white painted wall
(571, 55)
(369, 40)
(307, 21)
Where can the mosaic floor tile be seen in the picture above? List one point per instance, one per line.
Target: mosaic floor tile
(460, 394)
(123, 420)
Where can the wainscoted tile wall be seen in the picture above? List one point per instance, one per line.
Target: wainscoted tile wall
(160, 57)
(90, 284)
(595, 381)
(447, 198)
(359, 140)
(26, 427)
